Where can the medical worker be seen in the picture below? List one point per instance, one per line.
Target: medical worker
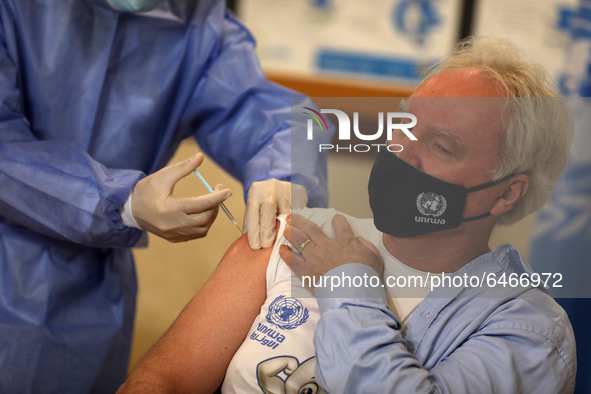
(95, 97)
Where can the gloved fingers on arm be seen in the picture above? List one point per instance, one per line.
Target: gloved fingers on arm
(252, 224)
(261, 212)
(298, 199)
(265, 200)
(269, 210)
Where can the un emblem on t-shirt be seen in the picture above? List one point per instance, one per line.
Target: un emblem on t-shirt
(287, 313)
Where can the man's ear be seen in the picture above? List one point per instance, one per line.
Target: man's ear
(511, 192)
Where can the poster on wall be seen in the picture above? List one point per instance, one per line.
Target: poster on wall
(539, 27)
(391, 40)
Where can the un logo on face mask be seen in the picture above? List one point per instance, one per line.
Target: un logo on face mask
(431, 204)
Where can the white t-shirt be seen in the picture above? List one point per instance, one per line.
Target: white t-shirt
(277, 355)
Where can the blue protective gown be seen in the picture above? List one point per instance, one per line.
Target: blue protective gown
(91, 100)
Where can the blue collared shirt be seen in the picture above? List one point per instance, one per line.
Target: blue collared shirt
(458, 340)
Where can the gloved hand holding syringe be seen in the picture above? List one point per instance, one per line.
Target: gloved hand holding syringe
(176, 219)
(222, 205)
(179, 219)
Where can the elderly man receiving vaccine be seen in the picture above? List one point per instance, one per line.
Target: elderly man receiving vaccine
(492, 139)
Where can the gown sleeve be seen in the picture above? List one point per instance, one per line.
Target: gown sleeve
(54, 187)
(245, 123)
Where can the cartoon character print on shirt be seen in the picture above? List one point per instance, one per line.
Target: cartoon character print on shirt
(285, 375)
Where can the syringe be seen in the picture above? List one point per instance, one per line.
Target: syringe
(224, 208)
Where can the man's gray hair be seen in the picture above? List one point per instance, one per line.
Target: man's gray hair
(540, 126)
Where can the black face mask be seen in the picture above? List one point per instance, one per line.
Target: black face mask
(406, 202)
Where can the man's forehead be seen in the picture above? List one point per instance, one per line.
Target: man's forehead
(455, 106)
(460, 120)
(433, 128)
(459, 82)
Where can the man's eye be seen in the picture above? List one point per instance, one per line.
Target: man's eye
(443, 149)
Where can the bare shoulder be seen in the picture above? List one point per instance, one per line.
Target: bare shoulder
(241, 261)
(240, 252)
(241, 273)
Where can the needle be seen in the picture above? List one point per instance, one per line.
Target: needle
(224, 208)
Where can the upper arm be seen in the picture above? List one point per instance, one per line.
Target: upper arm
(195, 352)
